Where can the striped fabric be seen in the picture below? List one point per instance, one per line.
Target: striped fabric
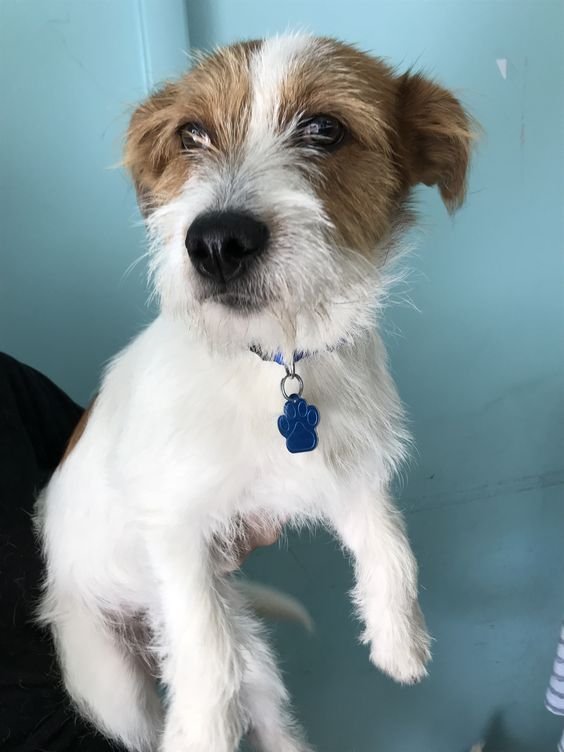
(555, 693)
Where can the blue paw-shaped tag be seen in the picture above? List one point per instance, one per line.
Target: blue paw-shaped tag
(297, 425)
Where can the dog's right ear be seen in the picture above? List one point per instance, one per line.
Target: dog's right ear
(151, 143)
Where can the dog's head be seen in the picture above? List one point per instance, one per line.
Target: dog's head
(275, 177)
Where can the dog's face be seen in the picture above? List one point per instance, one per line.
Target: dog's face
(274, 178)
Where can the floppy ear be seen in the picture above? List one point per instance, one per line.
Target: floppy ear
(436, 135)
(151, 143)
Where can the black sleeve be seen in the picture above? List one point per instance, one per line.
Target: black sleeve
(36, 421)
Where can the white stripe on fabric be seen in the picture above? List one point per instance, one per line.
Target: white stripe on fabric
(554, 700)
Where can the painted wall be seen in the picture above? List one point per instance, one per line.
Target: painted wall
(480, 364)
(69, 227)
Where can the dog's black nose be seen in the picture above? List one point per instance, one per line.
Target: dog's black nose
(222, 244)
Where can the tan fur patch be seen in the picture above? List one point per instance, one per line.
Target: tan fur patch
(215, 94)
(359, 181)
(78, 431)
(435, 137)
(402, 130)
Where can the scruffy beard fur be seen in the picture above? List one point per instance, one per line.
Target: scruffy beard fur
(181, 447)
(309, 294)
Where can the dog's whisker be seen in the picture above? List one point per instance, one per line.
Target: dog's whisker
(134, 264)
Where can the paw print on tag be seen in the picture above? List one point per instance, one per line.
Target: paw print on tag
(297, 425)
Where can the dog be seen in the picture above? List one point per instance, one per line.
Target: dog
(275, 180)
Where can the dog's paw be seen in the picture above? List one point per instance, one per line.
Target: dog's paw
(204, 735)
(181, 741)
(285, 740)
(297, 425)
(402, 649)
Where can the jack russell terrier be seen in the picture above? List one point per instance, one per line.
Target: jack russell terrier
(275, 181)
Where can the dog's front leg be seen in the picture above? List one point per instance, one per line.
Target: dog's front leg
(385, 592)
(201, 664)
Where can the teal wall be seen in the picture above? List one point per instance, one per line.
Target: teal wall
(480, 364)
(69, 228)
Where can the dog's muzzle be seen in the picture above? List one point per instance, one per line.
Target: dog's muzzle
(223, 245)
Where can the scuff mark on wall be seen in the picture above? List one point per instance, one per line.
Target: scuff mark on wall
(501, 63)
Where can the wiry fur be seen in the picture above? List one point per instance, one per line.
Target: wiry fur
(181, 444)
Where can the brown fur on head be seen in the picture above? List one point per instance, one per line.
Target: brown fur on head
(417, 124)
(249, 106)
(214, 92)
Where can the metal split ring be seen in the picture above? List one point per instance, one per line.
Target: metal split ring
(291, 374)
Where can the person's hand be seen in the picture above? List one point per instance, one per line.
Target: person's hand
(255, 534)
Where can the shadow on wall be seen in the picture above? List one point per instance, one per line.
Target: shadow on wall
(498, 739)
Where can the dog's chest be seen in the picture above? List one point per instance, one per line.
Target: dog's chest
(216, 433)
(246, 454)
(206, 426)
(241, 419)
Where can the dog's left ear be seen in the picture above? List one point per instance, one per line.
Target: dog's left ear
(436, 137)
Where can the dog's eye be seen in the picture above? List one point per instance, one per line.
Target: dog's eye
(321, 131)
(194, 136)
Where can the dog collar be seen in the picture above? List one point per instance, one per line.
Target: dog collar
(277, 357)
(299, 420)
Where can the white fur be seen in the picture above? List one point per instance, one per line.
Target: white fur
(183, 441)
